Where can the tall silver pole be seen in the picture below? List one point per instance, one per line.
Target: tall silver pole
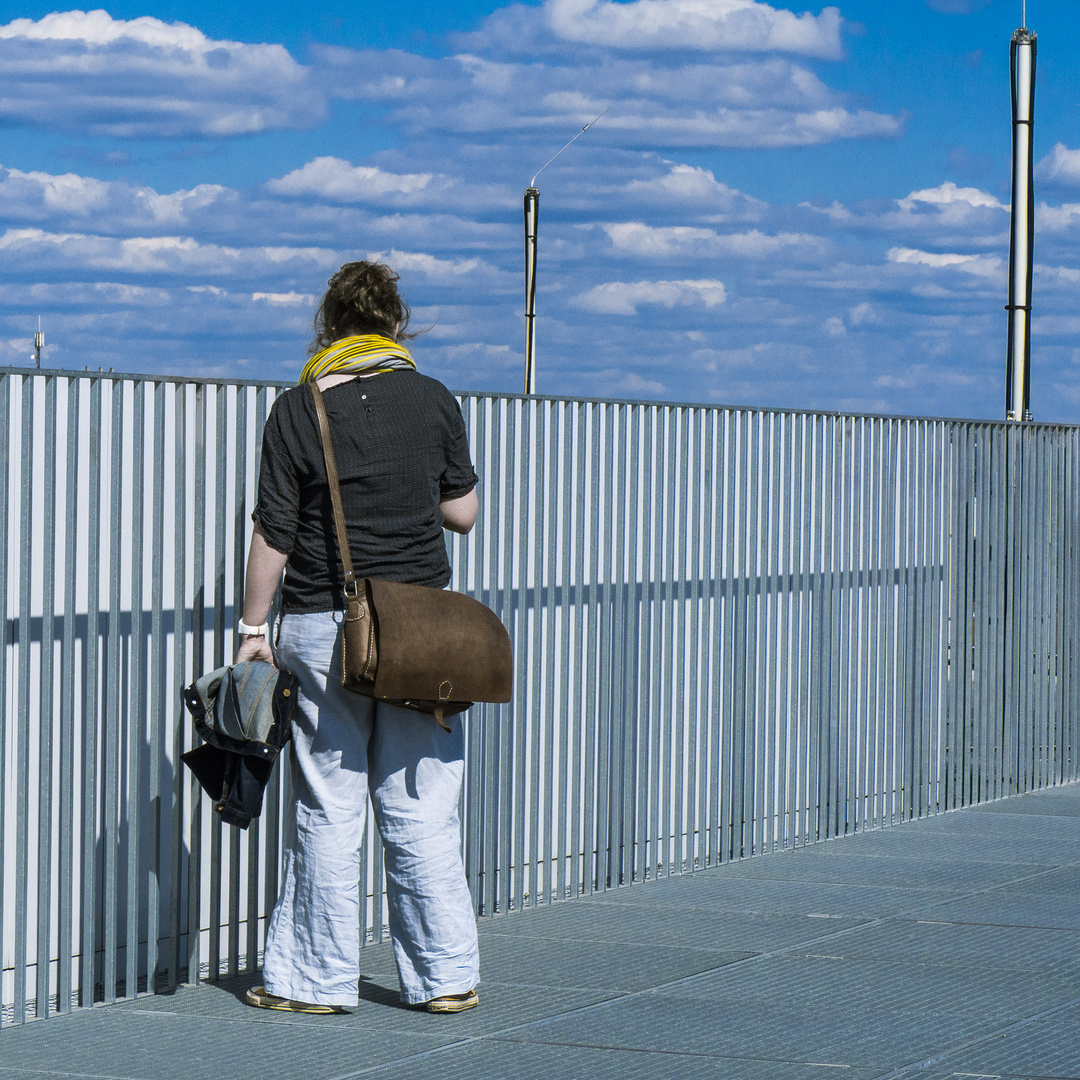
(1021, 246)
(532, 213)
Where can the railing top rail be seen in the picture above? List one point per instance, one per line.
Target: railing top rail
(507, 396)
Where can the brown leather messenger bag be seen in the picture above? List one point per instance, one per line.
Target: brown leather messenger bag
(432, 650)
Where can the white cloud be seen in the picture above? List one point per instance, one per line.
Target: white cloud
(970, 215)
(1051, 276)
(70, 202)
(624, 298)
(499, 355)
(736, 25)
(175, 208)
(1056, 325)
(437, 271)
(958, 7)
(88, 72)
(333, 178)
(79, 252)
(79, 294)
(1060, 166)
(99, 28)
(637, 238)
(38, 196)
(1055, 219)
(561, 27)
(649, 241)
(948, 193)
(289, 299)
(655, 125)
(863, 314)
(729, 359)
(68, 193)
(691, 186)
(979, 265)
(619, 383)
(769, 103)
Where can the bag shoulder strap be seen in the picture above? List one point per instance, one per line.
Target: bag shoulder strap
(335, 489)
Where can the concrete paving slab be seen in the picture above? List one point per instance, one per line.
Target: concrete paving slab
(1055, 801)
(380, 1009)
(1020, 838)
(1015, 906)
(700, 926)
(1017, 949)
(901, 872)
(1047, 1048)
(972, 850)
(780, 1032)
(496, 1058)
(760, 895)
(134, 1043)
(832, 983)
(612, 966)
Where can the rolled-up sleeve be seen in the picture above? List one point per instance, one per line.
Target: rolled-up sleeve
(458, 478)
(277, 508)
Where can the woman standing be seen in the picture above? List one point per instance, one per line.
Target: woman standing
(405, 475)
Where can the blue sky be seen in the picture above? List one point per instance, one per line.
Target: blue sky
(784, 206)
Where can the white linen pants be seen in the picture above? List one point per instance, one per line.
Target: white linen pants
(344, 748)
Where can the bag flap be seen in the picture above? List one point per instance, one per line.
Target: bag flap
(439, 645)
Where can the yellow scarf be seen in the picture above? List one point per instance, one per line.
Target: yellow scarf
(361, 352)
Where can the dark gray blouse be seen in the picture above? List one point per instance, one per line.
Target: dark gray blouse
(400, 445)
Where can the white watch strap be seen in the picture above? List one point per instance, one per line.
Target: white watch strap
(255, 631)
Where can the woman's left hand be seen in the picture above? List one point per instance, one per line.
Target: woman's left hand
(255, 647)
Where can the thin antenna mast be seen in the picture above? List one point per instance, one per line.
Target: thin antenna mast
(1022, 239)
(573, 140)
(532, 220)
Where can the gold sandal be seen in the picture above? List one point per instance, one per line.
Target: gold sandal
(453, 1003)
(258, 997)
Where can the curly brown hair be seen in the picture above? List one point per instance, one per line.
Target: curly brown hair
(362, 298)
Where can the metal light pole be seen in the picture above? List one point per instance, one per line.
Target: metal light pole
(39, 343)
(1021, 245)
(532, 218)
(532, 215)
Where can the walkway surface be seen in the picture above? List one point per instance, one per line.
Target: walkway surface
(942, 948)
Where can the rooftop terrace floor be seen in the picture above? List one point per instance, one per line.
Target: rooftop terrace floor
(948, 947)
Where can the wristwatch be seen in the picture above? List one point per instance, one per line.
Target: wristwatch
(253, 631)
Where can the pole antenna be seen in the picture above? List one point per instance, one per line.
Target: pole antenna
(532, 183)
(532, 220)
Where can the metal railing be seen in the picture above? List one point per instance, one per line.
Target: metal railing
(735, 631)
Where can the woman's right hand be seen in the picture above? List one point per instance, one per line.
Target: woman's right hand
(255, 647)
